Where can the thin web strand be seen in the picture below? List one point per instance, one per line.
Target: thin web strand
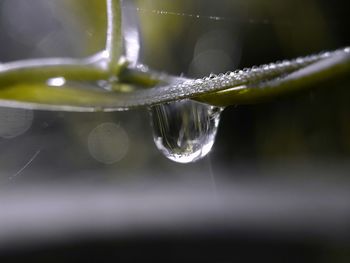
(201, 17)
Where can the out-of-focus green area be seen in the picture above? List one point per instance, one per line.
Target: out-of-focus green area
(51, 28)
(90, 14)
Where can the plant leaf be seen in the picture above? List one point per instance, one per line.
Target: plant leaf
(250, 86)
(65, 98)
(333, 68)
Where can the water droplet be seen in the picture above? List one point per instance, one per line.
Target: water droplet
(325, 55)
(299, 60)
(185, 131)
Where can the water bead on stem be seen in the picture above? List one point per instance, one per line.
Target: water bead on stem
(185, 131)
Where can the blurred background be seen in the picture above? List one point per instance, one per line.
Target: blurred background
(275, 187)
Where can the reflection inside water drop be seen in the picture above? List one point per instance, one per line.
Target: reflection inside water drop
(185, 131)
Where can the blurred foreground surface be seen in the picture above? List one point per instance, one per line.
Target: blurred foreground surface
(289, 222)
(93, 186)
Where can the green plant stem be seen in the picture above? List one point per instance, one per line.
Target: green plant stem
(101, 66)
(23, 83)
(40, 70)
(114, 40)
(253, 88)
(144, 77)
(216, 91)
(317, 74)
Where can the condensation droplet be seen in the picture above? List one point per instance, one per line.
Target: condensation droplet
(108, 143)
(185, 131)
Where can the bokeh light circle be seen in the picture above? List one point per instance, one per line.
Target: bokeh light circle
(108, 143)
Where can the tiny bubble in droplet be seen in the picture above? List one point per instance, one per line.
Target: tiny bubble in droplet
(212, 76)
(325, 54)
(300, 61)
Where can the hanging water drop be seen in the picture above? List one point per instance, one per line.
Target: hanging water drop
(185, 131)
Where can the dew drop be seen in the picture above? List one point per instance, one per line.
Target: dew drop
(185, 131)
(212, 76)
